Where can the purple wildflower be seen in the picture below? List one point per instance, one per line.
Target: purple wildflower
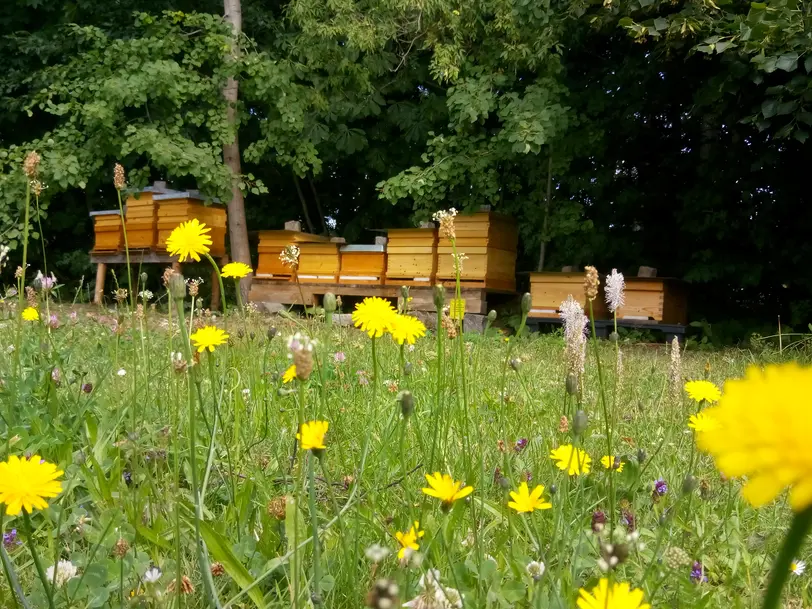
(339, 357)
(660, 487)
(10, 539)
(598, 521)
(87, 387)
(56, 376)
(520, 445)
(698, 573)
(53, 322)
(362, 377)
(628, 520)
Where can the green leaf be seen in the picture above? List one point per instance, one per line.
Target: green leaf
(152, 537)
(787, 62)
(808, 64)
(218, 547)
(769, 108)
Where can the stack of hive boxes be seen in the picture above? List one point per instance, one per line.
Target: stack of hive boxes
(549, 290)
(489, 242)
(363, 264)
(411, 256)
(176, 207)
(107, 231)
(140, 217)
(271, 244)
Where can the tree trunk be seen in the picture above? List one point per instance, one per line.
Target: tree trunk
(299, 192)
(237, 226)
(318, 204)
(544, 239)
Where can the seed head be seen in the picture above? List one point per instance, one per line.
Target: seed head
(119, 179)
(446, 221)
(676, 558)
(217, 569)
(290, 257)
(276, 507)
(186, 586)
(31, 164)
(615, 290)
(591, 282)
(121, 548)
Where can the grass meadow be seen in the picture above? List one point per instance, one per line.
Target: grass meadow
(184, 484)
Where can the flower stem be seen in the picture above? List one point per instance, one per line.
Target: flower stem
(314, 522)
(29, 537)
(792, 544)
(126, 250)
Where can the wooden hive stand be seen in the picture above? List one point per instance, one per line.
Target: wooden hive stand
(411, 256)
(489, 241)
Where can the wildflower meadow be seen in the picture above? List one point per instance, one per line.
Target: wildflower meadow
(159, 454)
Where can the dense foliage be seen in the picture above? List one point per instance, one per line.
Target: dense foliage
(627, 133)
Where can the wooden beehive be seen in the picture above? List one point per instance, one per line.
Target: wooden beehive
(362, 264)
(411, 256)
(271, 244)
(658, 299)
(176, 207)
(489, 243)
(319, 262)
(549, 290)
(140, 219)
(107, 231)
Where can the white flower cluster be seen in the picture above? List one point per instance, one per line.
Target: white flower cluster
(434, 595)
(615, 291)
(65, 571)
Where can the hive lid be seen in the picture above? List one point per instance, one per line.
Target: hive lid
(363, 248)
(105, 212)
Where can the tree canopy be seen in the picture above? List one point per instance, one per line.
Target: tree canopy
(619, 133)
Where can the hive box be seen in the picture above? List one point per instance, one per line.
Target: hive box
(271, 244)
(176, 207)
(319, 262)
(107, 231)
(362, 264)
(411, 256)
(549, 290)
(658, 299)
(489, 243)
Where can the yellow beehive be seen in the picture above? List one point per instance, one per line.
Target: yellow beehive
(653, 298)
(271, 244)
(411, 256)
(549, 290)
(319, 262)
(141, 220)
(107, 231)
(362, 264)
(488, 242)
(177, 207)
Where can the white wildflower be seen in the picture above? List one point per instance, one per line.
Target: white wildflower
(797, 567)
(615, 291)
(376, 553)
(535, 569)
(122, 372)
(152, 575)
(65, 571)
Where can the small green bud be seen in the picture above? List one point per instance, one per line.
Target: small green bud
(143, 279)
(439, 297)
(553, 489)
(492, 315)
(407, 368)
(406, 400)
(579, 423)
(272, 332)
(641, 456)
(329, 302)
(614, 337)
(516, 364)
(404, 293)
(689, 484)
(177, 286)
(572, 383)
(527, 303)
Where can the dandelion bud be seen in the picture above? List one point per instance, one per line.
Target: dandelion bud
(553, 489)
(329, 302)
(527, 303)
(579, 423)
(641, 456)
(572, 383)
(591, 282)
(119, 180)
(492, 315)
(272, 332)
(614, 337)
(177, 286)
(439, 297)
(407, 368)
(404, 293)
(338, 302)
(689, 484)
(515, 364)
(406, 400)
(31, 164)
(504, 483)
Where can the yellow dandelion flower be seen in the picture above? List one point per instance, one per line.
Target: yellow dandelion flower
(763, 428)
(30, 314)
(189, 240)
(312, 435)
(619, 596)
(208, 338)
(446, 489)
(374, 316)
(406, 329)
(573, 460)
(236, 270)
(526, 501)
(608, 462)
(26, 483)
(289, 374)
(702, 422)
(702, 390)
(408, 540)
